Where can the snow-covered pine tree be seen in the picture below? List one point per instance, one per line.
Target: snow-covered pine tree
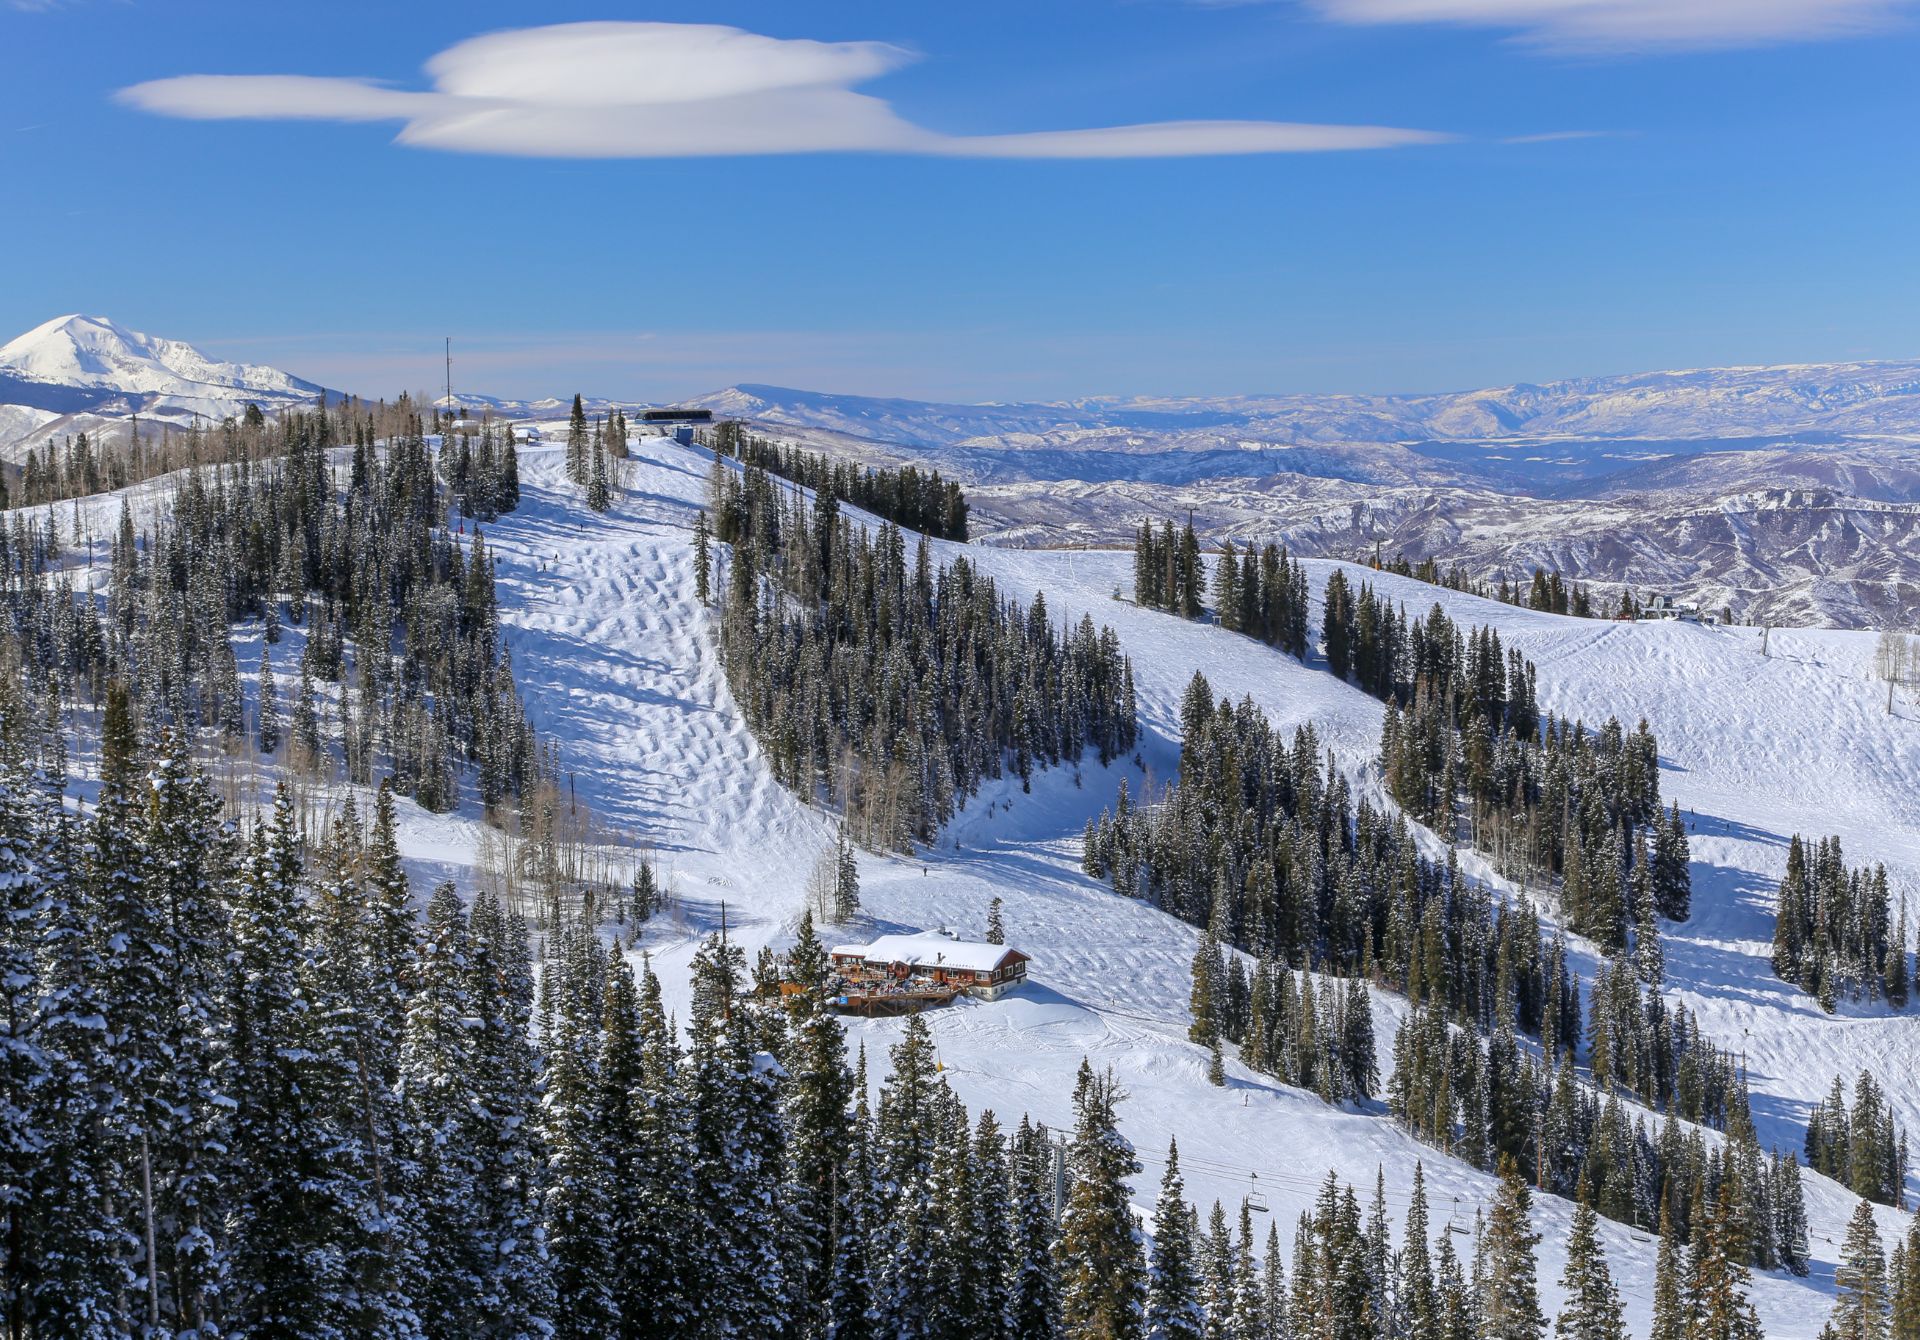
(1511, 1304)
(578, 1191)
(1591, 1305)
(1033, 1275)
(442, 1164)
(599, 495)
(1861, 1304)
(738, 1274)
(1102, 1269)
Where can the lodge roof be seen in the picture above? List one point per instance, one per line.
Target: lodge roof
(926, 950)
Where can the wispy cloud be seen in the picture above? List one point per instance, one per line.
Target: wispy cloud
(667, 90)
(1555, 136)
(1635, 25)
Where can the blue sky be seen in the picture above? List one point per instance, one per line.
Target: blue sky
(1550, 188)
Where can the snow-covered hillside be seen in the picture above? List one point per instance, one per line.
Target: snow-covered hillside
(1789, 494)
(1709, 403)
(615, 660)
(77, 373)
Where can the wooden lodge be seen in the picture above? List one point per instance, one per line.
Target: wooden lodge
(902, 974)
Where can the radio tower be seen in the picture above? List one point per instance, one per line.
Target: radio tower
(449, 374)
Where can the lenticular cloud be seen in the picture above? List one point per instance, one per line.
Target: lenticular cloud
(668, 90)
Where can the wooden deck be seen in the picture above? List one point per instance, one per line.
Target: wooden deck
(885, 1003)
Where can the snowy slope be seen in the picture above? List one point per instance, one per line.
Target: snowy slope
(615, 661)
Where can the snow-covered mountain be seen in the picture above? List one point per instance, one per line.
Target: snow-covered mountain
(76, 373)
(1760, 738)
(1671, 412)
(1788, 494)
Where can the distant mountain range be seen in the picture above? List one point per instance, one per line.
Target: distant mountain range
(1787, 493)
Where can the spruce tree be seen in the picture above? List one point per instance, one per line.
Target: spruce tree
(1511, 1302)
(702, 557)
(1591, 1307)
(1033, 1281)
(1717, 1303)
(268, 715)
(1102, 1273)
(599, 495)
(1670, 1310)
(1860, 1305)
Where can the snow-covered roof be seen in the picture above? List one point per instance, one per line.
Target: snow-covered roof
(928, 951)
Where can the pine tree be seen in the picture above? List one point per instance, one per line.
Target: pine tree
(996, 931)
(577, 442)
(1669, 1284)
(1033, 1283)
(702, 557)
(737, 1156)
(577, 1204)
(1591, 1310)
(1717, 1303)
(908, 1132)
(1173, 1287)
(1102, 1274)
(286, 1278)
(599, 496)
(1860, 1305)
(1415, 1289)
(442, 1159)
(1903, 1286)
(269, 713)
(1511, 1302)
(816, 1105)
(846, 880)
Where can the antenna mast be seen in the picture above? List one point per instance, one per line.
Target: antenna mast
(449, 374)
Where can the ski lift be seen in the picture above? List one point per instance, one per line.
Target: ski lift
(1256, 1199)
(1453, 1220)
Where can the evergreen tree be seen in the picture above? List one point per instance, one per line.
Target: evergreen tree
(1173, 1287)
(1102, 1274)
(702, 557)
(269, 713)
(599, 495)
(1717, 1303)
(1511, 1301)
(1861, 1304)
(1670, 1311)
(1033, 1281)
(1591, 1310)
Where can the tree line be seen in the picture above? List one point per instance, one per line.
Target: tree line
(83, 464)
(1834, 932)
(402, 662)
(893, 688)
(1260, 593)
(905, 495)
(247, 1090)
(1861, 1147)
(1546, 591)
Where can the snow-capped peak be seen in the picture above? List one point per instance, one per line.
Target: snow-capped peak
(95, 352)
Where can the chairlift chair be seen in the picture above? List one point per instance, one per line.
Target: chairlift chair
(1256, 1199)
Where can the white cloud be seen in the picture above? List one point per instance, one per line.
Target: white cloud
(666, 90)
(1635, 25)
